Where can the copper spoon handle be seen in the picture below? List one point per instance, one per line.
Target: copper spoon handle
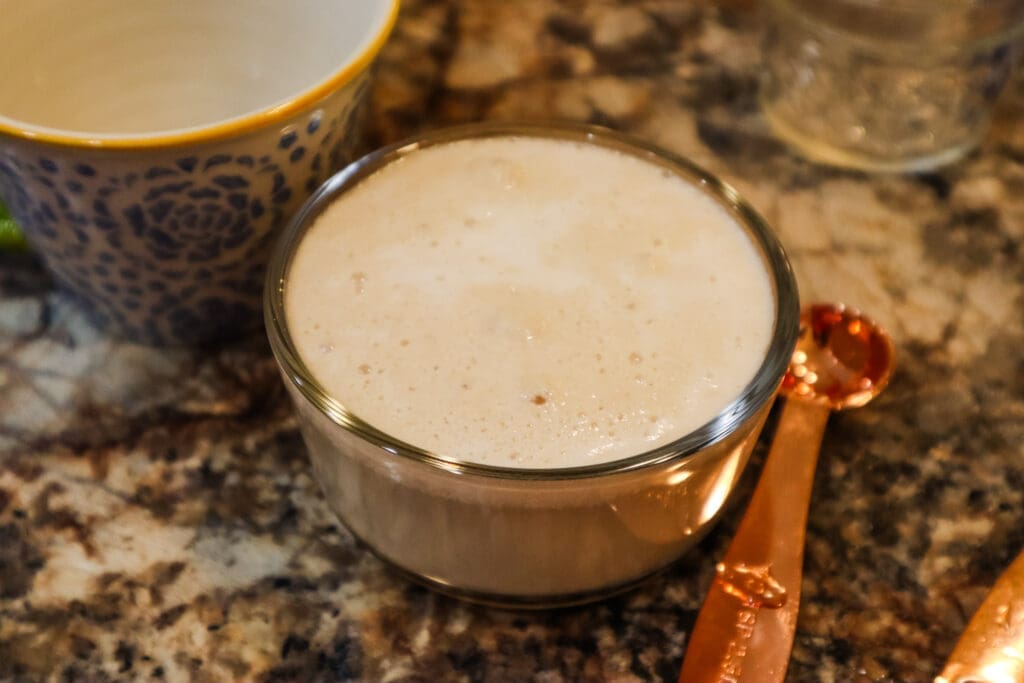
(744, 631)
(991, 649)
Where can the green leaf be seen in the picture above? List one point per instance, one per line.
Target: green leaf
(11, 238)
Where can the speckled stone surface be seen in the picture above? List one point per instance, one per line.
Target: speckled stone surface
(158, 519)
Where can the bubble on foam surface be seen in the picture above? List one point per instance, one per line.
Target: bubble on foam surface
(597, 291)
(359, 282)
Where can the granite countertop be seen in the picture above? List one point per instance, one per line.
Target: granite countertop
(158, 519)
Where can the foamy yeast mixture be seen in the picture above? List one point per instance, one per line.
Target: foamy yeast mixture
(529, 303)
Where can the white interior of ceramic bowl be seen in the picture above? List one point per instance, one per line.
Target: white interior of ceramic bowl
(116, 69)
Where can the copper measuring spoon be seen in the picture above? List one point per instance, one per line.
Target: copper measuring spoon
(744, 632)
(991, 649)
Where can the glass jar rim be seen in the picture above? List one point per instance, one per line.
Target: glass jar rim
(758, 391)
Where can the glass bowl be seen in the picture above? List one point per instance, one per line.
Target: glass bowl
(529, 537)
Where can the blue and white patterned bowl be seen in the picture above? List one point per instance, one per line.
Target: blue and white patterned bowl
(153, 163)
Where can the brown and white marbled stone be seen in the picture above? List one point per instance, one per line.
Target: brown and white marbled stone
(158, 519)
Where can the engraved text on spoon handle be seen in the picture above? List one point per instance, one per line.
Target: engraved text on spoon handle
(744, 631)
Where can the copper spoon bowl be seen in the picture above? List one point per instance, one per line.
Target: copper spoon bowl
(744, 632)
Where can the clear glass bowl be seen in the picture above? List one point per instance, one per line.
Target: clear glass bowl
(529, 537)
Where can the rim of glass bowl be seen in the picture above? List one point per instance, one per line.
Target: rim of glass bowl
(760, 389)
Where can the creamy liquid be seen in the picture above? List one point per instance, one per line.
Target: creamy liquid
(530, 303)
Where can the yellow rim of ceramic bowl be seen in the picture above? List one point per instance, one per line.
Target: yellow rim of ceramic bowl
(245, 123)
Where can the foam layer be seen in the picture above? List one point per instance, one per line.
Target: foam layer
(529, 303)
